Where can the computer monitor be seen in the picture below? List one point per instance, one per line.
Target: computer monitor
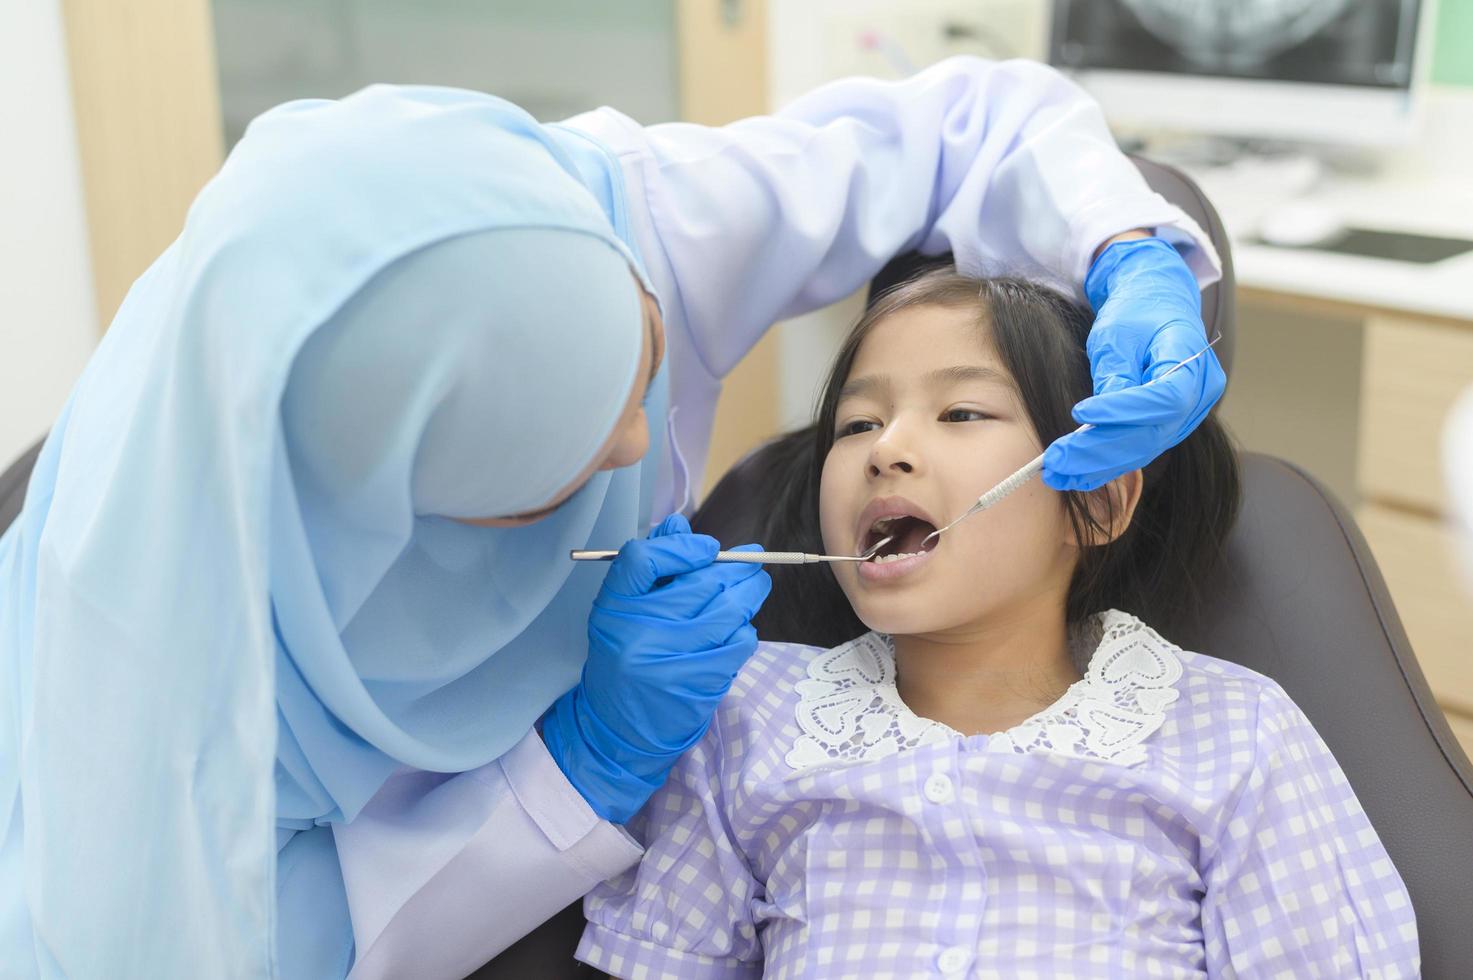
(1314, 71)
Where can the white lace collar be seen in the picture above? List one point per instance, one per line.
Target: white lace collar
(849, 710)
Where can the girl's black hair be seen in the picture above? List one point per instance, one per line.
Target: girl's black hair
(1156, 569)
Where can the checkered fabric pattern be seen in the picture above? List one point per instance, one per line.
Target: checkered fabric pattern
(1233, 846)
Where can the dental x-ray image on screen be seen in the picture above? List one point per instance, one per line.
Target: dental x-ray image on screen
(1327, 42)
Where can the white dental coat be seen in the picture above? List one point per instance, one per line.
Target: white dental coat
(1008, 165)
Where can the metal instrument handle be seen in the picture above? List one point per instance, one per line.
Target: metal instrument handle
(742, 557)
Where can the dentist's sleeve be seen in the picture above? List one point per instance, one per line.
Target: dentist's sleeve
(1009, 165)
(443, 872)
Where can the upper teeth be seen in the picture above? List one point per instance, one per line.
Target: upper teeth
(883, 524)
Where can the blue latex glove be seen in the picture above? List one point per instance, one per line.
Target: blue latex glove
(1148, 319)
(668, 633)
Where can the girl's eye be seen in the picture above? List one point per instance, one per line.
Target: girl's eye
(964, 415)
(856, 427)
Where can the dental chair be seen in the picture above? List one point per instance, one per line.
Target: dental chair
(13, 486)
(1300, 599)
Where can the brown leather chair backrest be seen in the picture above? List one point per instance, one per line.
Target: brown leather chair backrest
(13, 486)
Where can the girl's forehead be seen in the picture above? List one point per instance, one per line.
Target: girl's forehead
(926, 337)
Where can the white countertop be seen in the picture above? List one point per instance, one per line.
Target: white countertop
(1439, 289)
(1427, 188)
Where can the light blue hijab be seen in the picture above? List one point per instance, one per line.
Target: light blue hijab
(235, 601)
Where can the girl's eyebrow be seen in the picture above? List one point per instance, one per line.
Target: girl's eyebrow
(963, 373)
(855, 387)
(956, 374)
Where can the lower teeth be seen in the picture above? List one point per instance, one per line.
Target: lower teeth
(885, 558)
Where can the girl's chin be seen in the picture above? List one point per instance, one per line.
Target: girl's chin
(902, 617)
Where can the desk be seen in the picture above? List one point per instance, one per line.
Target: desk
(1439, 291)
(1413, 325)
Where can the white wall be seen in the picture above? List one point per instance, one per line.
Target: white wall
(48, 323)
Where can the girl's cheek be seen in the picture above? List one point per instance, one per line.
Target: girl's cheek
(826, 505)
(830, 526)
(836, 504)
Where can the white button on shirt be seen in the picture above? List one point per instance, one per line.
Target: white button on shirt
(953, 960)
(939, 788)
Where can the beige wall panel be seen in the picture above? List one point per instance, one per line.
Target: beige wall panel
(723, 61)
(1413, 372)
(1415, 554)
(723, 77)
(1462, 726)
(147, 105)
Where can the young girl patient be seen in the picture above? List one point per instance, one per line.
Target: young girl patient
(1011, 775)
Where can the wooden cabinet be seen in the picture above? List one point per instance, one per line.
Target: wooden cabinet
(1414, 370)
(1463, 728)
(723, 78)
(147, 110)
(1415, 555)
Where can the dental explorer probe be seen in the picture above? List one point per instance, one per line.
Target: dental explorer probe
(1034, 466)
(754, 557)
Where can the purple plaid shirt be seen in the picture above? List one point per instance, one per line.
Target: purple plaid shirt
(1172, 815)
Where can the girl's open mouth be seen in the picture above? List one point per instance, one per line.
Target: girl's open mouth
(901, 555)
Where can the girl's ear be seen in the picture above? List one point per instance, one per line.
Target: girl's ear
(1112, 507)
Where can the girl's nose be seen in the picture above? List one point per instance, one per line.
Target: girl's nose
(891, 454)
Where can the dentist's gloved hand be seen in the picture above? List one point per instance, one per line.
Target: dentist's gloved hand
(668, 633)
(1148, 318)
